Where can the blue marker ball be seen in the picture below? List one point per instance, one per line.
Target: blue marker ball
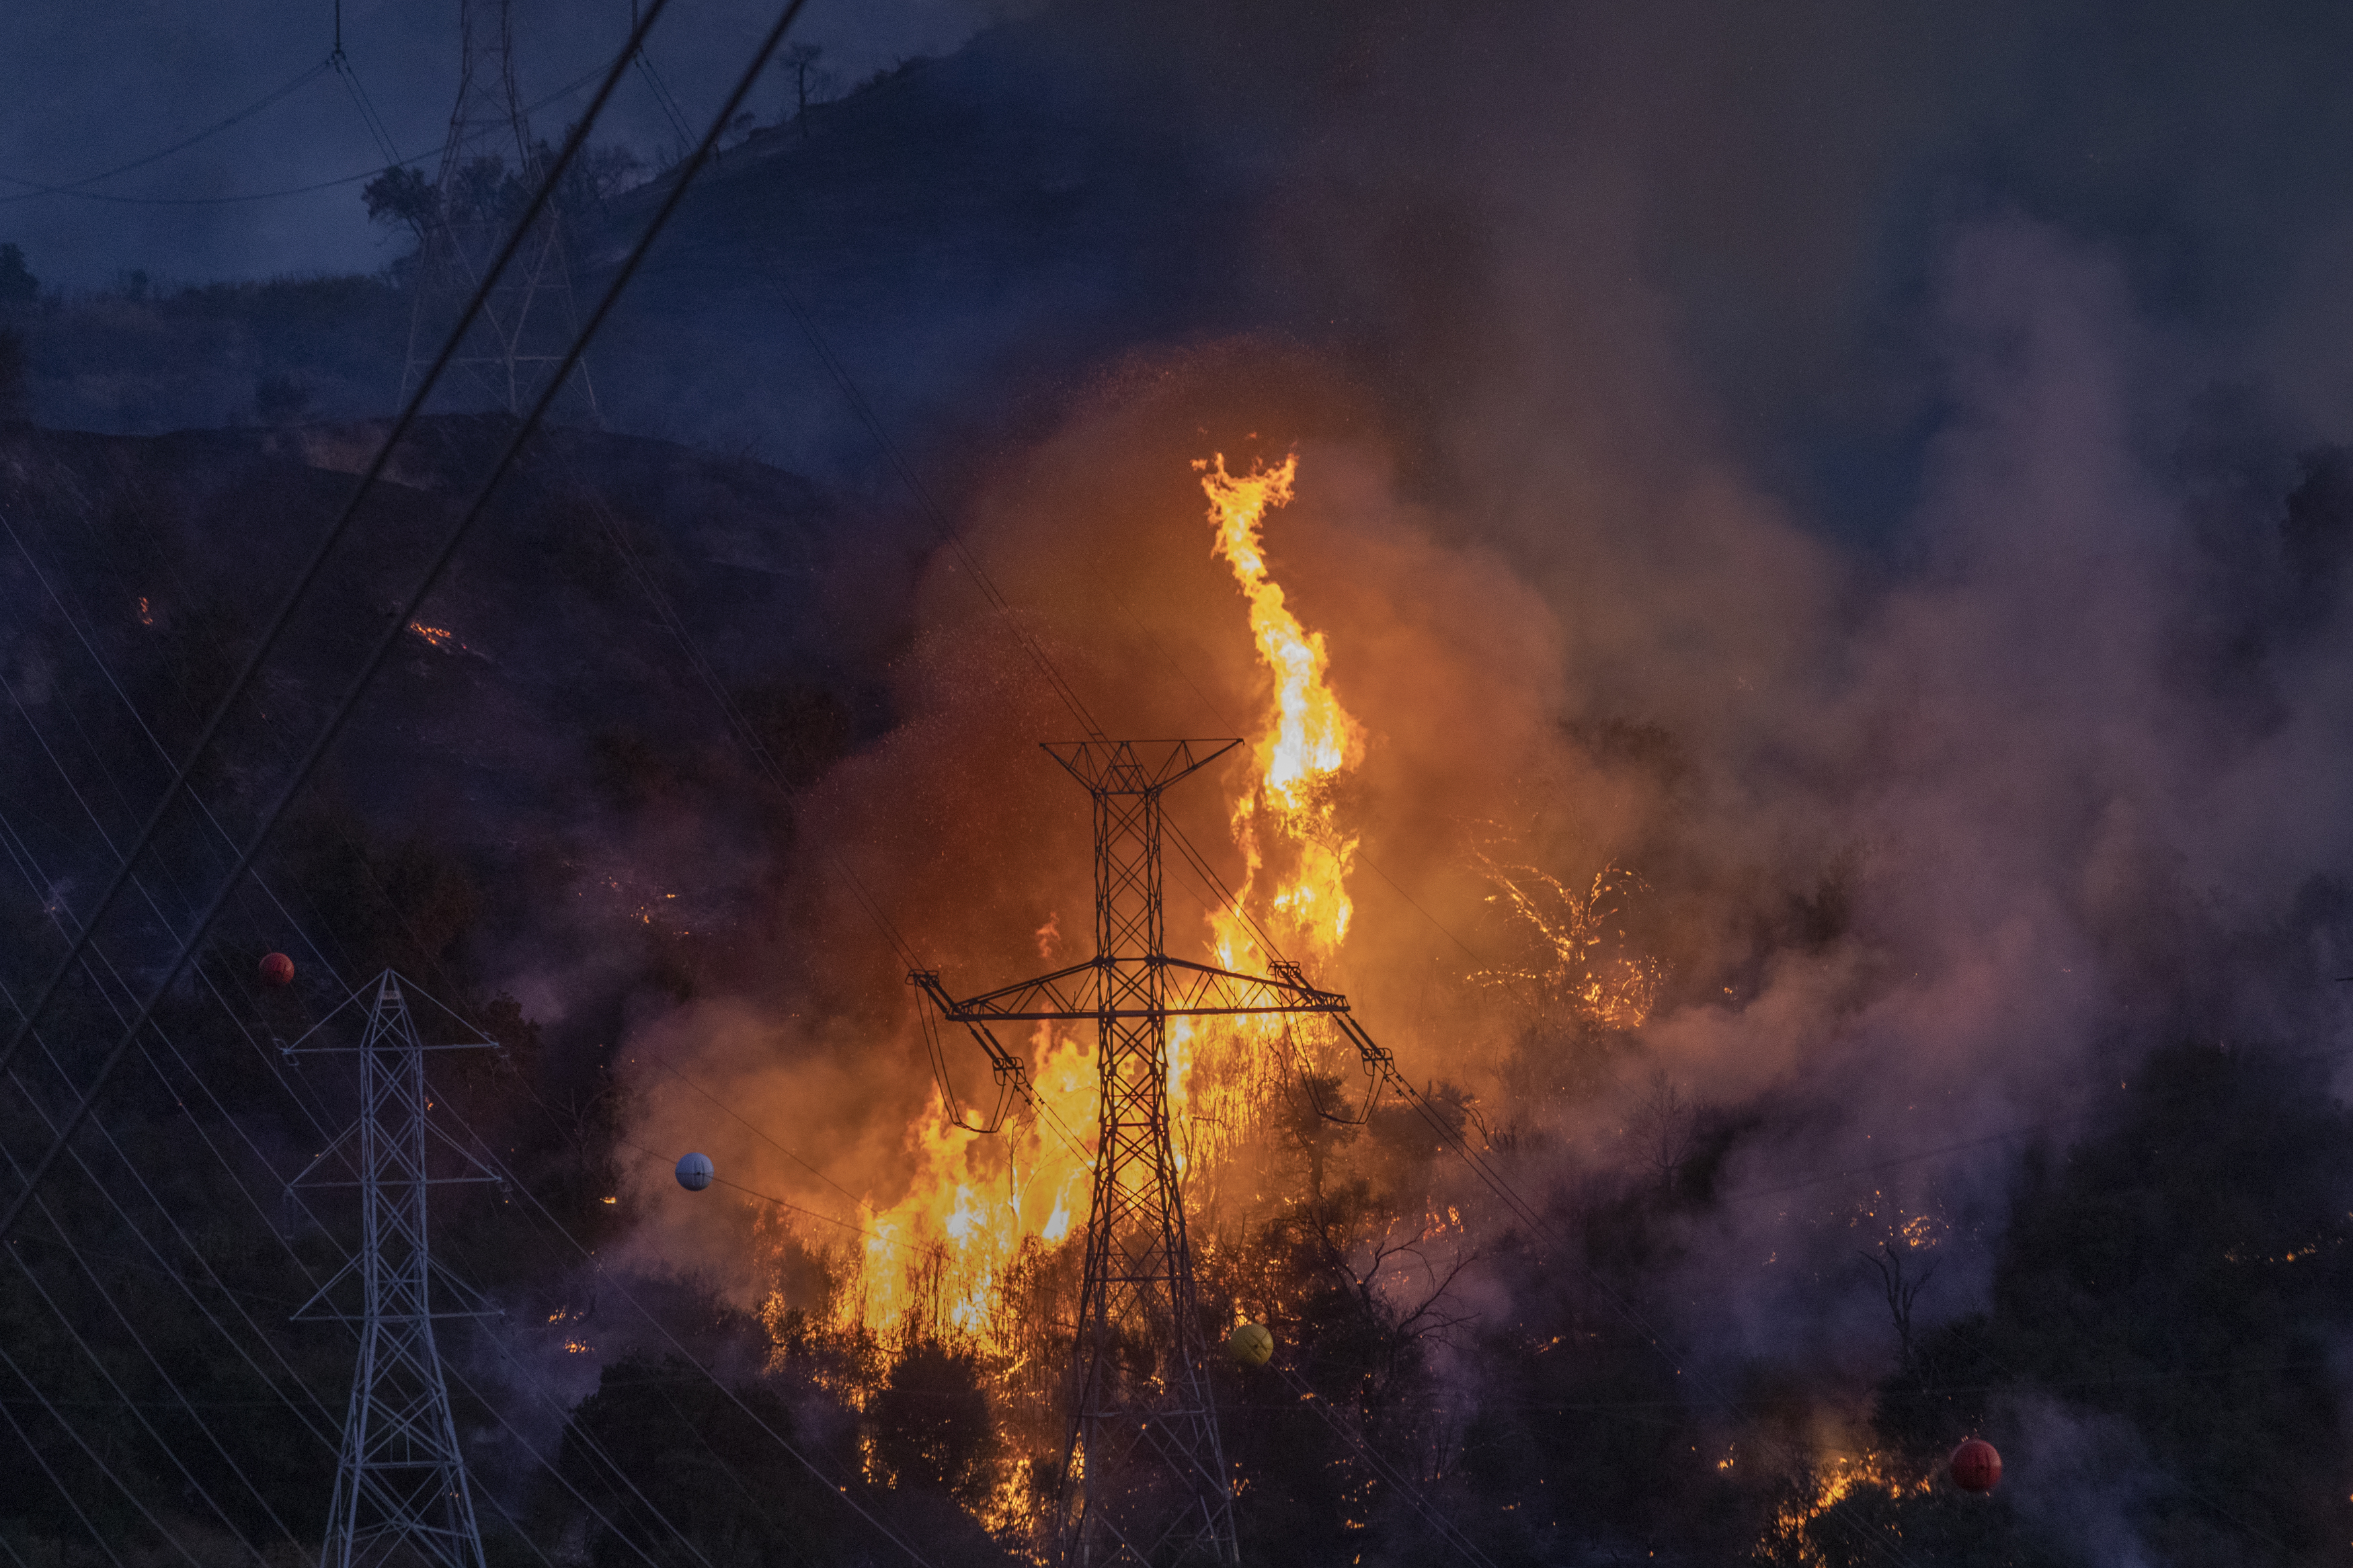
(695, 1172)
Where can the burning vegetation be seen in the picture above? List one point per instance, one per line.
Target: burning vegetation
(969, 1281)
(1438, 1354)
(1741, 1288)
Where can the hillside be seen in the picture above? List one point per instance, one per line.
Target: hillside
(527, 725)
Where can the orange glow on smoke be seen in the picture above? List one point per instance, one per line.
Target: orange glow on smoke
(943, 1259)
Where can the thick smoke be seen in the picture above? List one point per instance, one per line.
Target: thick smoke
(1940, 796)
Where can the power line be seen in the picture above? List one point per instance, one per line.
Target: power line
(106, 1372)
(314, 1430)
(282, 1397)
(933, 512)
(408, 415)
(663, 1062)
(590, 1257)
(395, 159)
(76, 1252)
(850, 1226)
(438, 563)
(1382, 1469)
(25, 1441)
(74, 624)
(76, 188)
(130, 1493)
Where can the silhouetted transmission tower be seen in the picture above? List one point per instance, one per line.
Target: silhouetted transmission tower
(401, 1493)
(489, 167)
(1153, 1483)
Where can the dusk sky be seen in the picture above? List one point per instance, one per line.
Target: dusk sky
(90, 87)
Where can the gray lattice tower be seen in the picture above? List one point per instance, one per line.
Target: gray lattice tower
(1153, 1485)
(489, 167)
(401, 1492)
(1150, 1413)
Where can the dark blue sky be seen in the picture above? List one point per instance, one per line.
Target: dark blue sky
(91, 84)
(1782, 184)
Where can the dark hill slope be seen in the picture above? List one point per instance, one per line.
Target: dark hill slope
(964, 233)
(958, 233)
(538, 758)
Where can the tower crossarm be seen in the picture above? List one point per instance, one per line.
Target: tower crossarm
(1134, 767)
(1191, 990)
(1007, 1065)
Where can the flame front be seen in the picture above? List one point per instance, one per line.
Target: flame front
(1790, 1538)
(986, 1219)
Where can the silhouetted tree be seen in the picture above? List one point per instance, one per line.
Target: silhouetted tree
(810, 80)
(402, 196)
(15, 391)
(17, 284)
(686, 1472)
(280, 398)
(931, 1424)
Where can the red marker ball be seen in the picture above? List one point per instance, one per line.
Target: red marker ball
(277, 970)
(1977, 1465)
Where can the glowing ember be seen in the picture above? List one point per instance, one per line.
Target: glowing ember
(1790, 1539)
(1569, 931)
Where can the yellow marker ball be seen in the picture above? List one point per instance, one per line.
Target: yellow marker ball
(1251, 1345)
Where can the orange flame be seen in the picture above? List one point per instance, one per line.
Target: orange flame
(1791, 1537)
(1310, 740)
(942, 1260)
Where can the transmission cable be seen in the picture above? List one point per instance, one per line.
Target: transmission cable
(589, 1257)
(74, 624)
(188, 1476)
(1382, 1467)
(282, 1395)
(336, 721)
(106, 1296)
(332, 1443)
(663, 98)
(375, 471)
(77, 187)
(344, 68)
(398, 161)
(663, 1062)
(931, 509)
(129, 1492)
(368, 481)
(25, 1441)
(195, 1252)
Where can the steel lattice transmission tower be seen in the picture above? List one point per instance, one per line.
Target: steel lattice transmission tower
(489, 167)
(401, 1492)
(1154, 1488)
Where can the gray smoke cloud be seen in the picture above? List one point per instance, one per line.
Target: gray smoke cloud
(1844, 405)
